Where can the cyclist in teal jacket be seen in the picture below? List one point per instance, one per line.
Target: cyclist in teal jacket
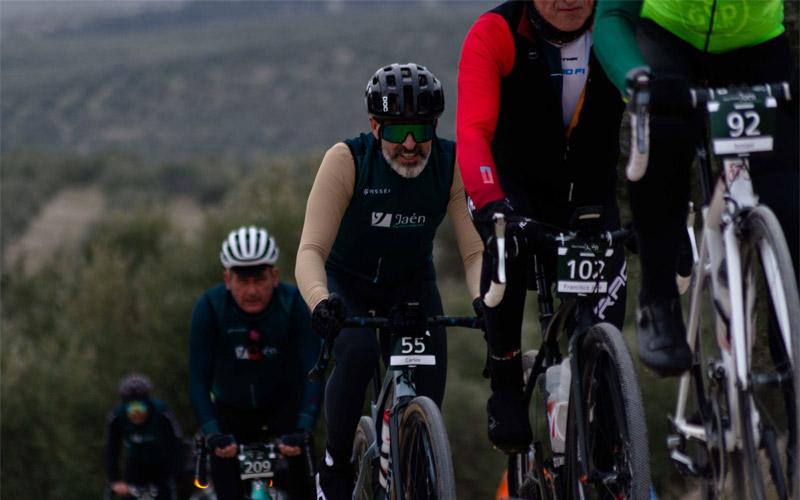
(250, 348)
(673, 45)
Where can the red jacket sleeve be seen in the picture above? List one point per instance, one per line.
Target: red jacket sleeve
(486, 57)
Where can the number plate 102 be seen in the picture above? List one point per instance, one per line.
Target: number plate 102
(412, 351)
(582, 270)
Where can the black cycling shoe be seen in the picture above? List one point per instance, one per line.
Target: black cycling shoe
(662, 337)
(334, 483)
(509, 429)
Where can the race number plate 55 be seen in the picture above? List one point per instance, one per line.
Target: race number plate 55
(254, 465)
(582, 270)
(412, 351)
(742, 122)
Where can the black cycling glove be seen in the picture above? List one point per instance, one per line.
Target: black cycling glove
(218, 440)
(477, 306)
(328, 316)
(668, 94)
(484, 222)
(299, 438)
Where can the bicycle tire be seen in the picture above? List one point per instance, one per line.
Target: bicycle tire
(615, 421)
(526, 475)
(365, 436)
(426, 469)
(765, 255)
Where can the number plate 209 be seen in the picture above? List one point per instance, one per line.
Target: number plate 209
(412, 351)
(255, 465)
(582, 270)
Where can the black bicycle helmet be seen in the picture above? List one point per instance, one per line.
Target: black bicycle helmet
(135, 386)
(553, 34)
(405, 91)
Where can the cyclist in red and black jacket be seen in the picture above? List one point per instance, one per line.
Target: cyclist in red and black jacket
(537, 131)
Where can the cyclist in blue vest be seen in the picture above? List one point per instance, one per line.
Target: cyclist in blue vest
(146, 430)
(367, 244)
(250, 348)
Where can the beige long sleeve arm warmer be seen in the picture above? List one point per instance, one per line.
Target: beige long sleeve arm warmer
(327, 203)
(330, 195)
(470, 245)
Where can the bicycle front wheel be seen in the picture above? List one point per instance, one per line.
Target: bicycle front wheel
(613, 415)
(768, 408)
(426, 465)
(365, 436)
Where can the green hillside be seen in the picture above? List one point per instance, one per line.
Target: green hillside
(219, 79)
(229, 104)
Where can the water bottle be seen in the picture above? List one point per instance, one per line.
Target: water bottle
(557, 382)
(385, 436)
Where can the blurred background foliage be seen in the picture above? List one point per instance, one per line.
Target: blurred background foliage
(134, 136)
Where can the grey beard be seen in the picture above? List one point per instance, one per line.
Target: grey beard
(402, 170)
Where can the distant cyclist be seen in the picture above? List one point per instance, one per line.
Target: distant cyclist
(250, 348)
(367, 244)
(672, 45)
(142, 434)
(537, 131)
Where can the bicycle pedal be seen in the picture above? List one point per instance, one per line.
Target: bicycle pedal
(675, 442)
(684, 464)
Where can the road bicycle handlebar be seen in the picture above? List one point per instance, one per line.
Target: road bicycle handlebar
(302, 440)
(639, 108)
(377, 322)
(537, 235)
(701, 95)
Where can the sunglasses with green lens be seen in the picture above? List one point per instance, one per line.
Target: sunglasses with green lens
(397, 132)
(136, 407)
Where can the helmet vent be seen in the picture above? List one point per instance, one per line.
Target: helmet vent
(408, 99)
(405, 73)
(393, 107)
(391, 81)
(423, 81)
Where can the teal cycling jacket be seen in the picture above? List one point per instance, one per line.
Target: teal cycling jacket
(228, 367)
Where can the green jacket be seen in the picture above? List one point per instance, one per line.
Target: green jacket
(713, 26)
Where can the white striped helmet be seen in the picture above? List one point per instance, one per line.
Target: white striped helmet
(248, 246)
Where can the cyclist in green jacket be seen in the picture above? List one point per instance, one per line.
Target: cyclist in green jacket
(250, 348)
(673, 45)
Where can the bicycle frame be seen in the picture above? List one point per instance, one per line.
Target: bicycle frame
(574, 317)
(722, 211)
(553, 327)
(397, 384)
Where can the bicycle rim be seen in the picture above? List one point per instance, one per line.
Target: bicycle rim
(365, 436)
(426, 464)
(768, 408)
(616, 436)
